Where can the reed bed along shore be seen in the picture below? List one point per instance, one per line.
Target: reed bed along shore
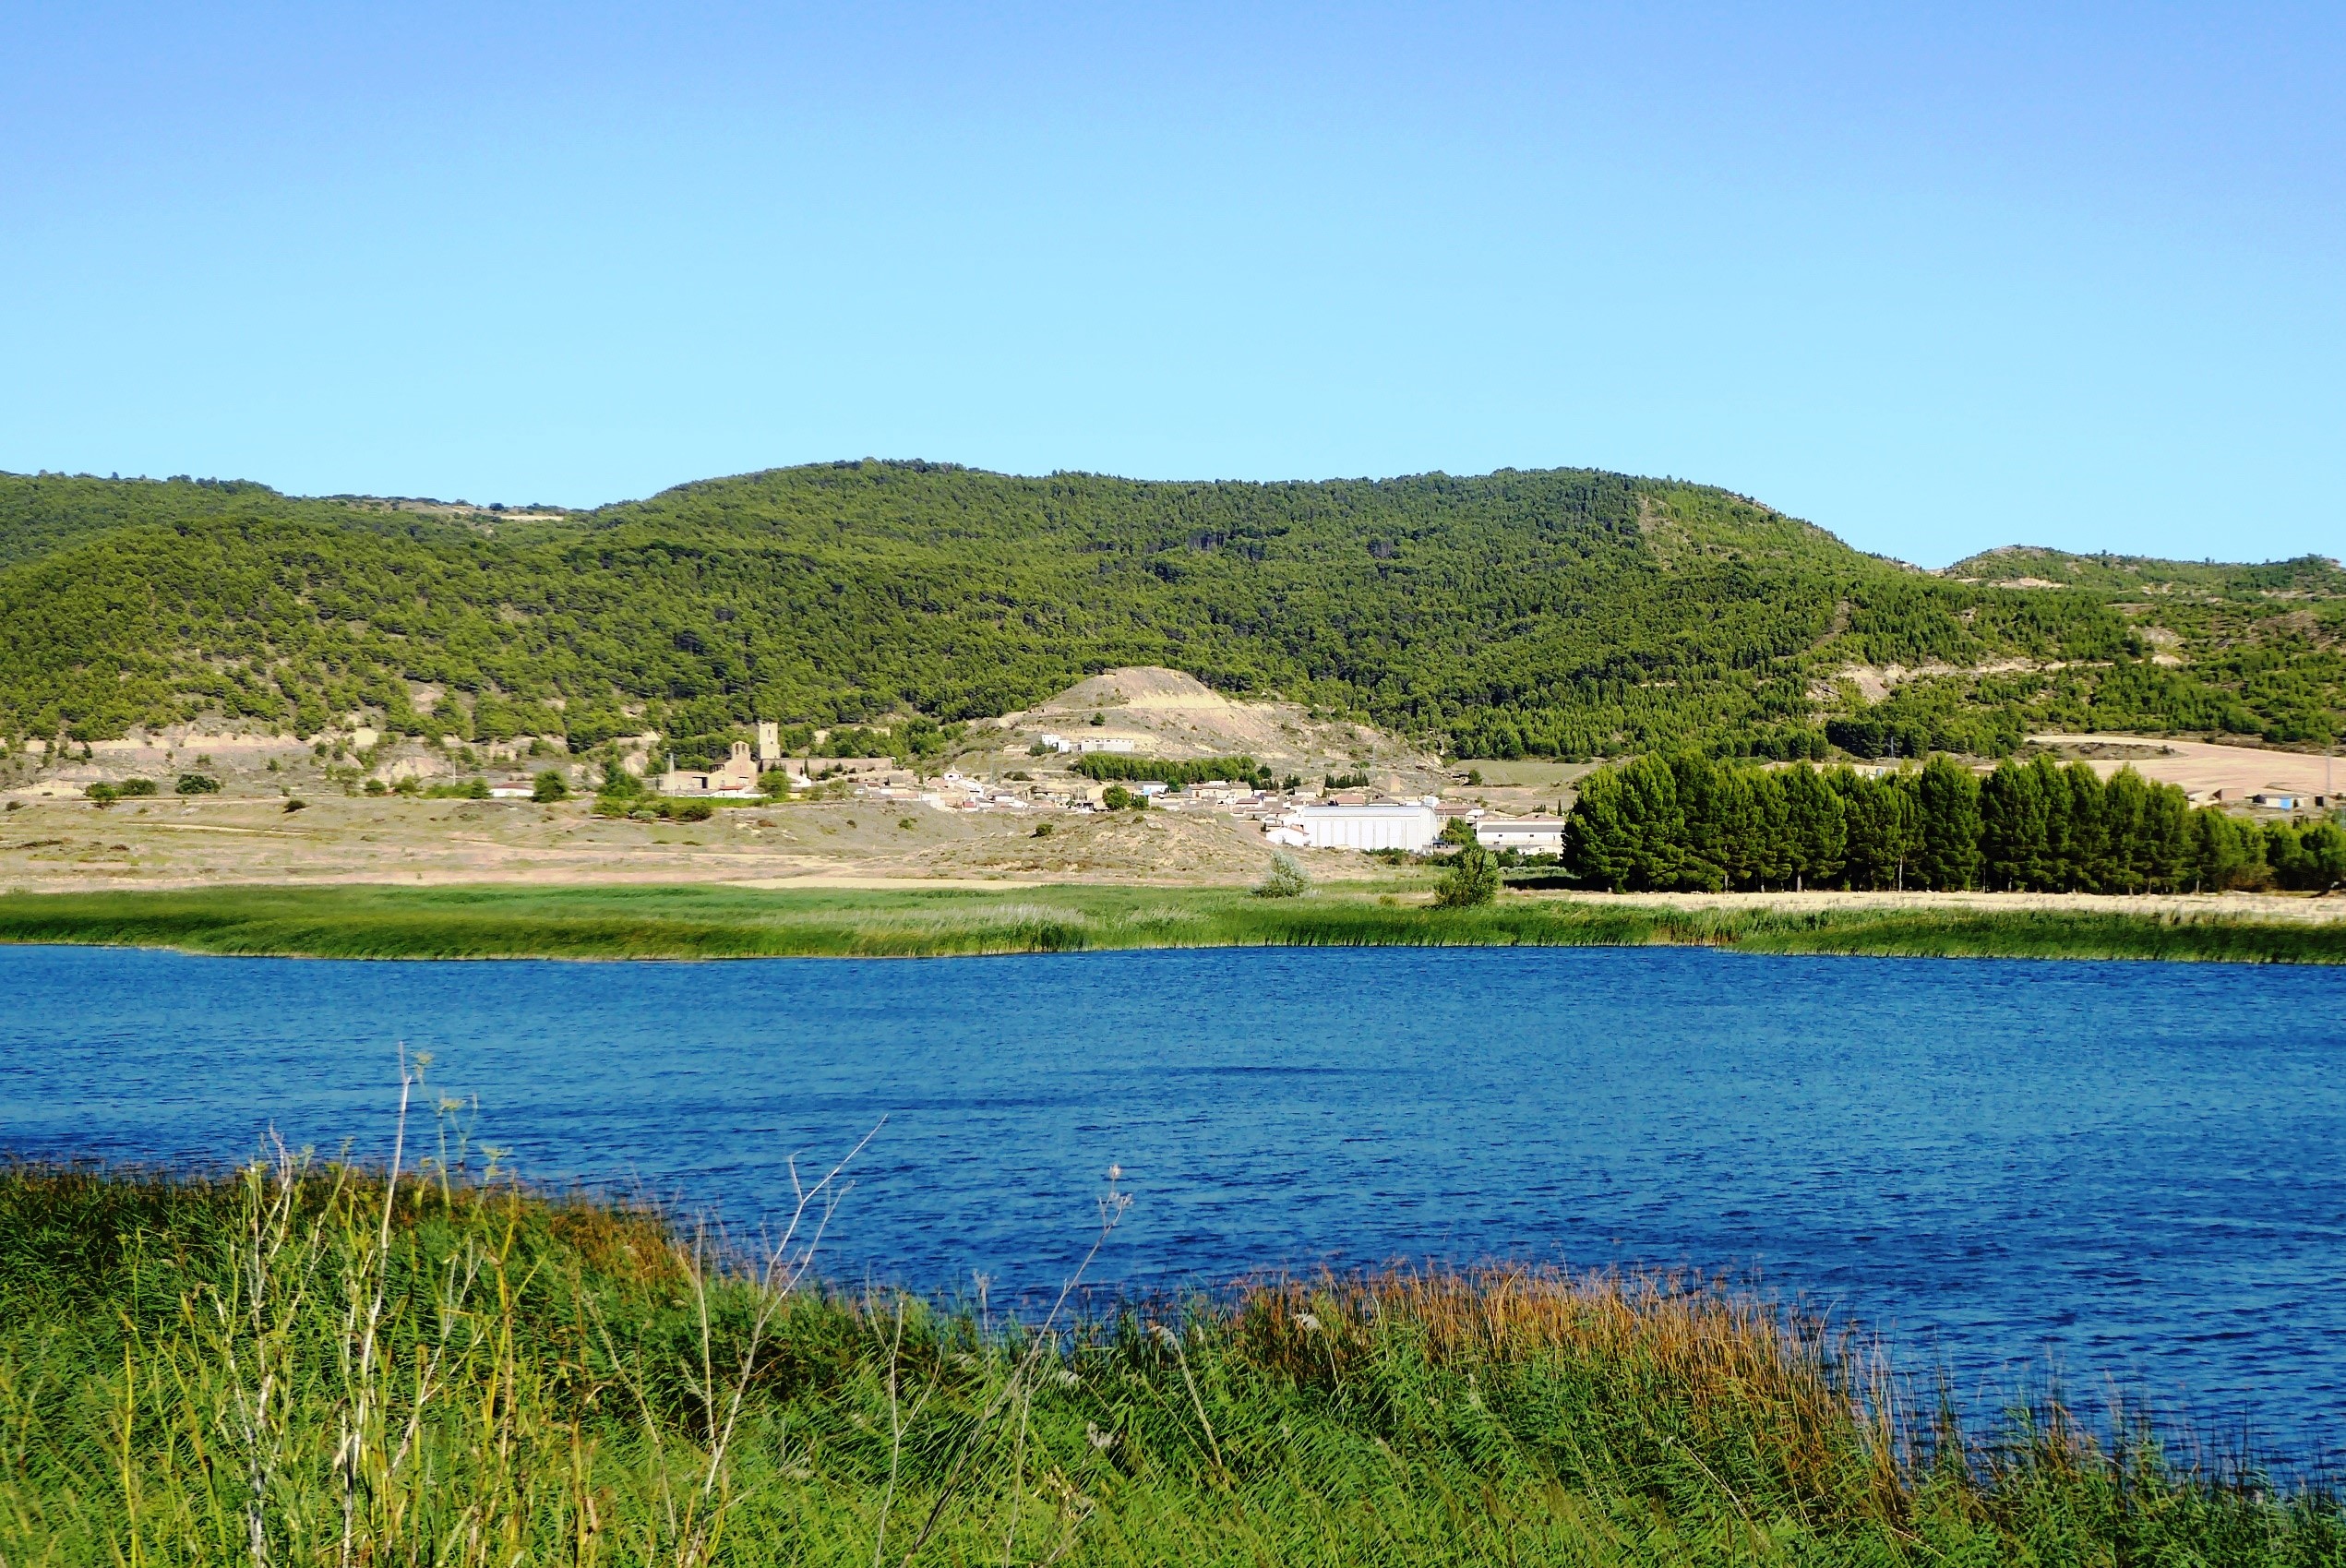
(306, 1364)
(690, 921)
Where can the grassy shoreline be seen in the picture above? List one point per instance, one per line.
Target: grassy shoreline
(299, 1364)
(706, 922)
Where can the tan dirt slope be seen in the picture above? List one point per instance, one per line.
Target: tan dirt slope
(1167, 714)
(2199, 767)
(60, 845)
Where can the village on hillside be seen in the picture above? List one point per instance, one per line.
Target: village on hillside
(1282, 776)
(1314, 783)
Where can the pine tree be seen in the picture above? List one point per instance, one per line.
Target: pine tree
(1651, 803)
(2013, 827)
(1879, 817)
(2125, 805)
(2322, 846)
(1947, 796)
(2225, 852)
(2282, 853)
(1814, 825)
(2164, 856)
(2307, 859)
(1602, 837)
(1771, 830)
(2082, 851)
(1712, 844)
(2044, 864)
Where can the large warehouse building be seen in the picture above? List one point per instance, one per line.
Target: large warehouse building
(1367, 826)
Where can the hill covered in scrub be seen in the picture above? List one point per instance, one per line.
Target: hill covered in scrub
(1566, 612)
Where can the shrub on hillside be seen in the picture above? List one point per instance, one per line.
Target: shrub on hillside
(1285, 879)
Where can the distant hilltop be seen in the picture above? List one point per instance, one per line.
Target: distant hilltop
(1568, 613)
(2032, 566)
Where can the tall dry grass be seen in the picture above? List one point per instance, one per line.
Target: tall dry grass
(300, 1362)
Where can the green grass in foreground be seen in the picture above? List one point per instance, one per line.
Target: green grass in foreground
(718, 922)
(283, 1367)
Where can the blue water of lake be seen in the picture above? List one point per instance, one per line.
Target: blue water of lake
(2127, 1172)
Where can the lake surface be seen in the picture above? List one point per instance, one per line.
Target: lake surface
(2129, 1171)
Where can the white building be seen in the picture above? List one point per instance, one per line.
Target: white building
(1367, 826)
(1060, 743)
(1530, 835)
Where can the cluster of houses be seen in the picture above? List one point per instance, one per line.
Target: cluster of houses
(738, 777)
(2277, 797)
(1301, 824)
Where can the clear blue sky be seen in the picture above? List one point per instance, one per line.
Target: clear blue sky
(1934, 277)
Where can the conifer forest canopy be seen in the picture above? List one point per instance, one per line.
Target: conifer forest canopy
(1565, 613)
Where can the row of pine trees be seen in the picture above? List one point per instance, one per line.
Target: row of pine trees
(1688, 822)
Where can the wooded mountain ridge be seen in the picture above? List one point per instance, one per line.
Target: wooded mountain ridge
(1563, 611)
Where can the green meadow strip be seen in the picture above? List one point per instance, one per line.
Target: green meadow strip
(717, 922)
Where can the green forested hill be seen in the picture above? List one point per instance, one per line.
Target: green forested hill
(2304, 578)
(43, 514)
(2249, 649)
(1569, 612)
